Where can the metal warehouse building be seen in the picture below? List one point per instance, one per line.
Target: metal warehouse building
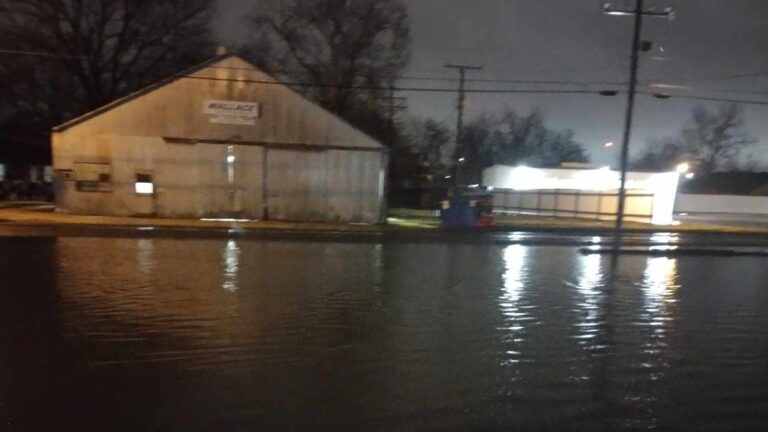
(220, 140)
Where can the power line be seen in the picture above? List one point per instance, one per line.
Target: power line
(400, 89)
(707, 98)
(650, 83)
(727, 77)
(448, 79)
(479, 91)
(713, 90)
(38, 54)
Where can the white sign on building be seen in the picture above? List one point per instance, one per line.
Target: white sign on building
(232, 112)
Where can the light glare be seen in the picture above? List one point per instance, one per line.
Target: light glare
(144, 188)
(683, 168)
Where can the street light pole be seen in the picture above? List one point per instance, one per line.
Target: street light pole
(628, 122)
(624, 156)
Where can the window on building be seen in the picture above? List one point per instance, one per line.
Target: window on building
(48, 174)
(93, 177)
(66, 175)
(144, 184)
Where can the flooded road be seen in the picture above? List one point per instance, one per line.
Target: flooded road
(246, 334)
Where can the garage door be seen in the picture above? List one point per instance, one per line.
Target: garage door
(297, 185)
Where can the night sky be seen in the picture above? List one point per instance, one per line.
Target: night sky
(709, 43)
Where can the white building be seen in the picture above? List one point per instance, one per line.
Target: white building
(220, 140)
(587, 193)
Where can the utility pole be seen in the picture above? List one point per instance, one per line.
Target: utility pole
(638, 14)
(460, 109)
(394, 104)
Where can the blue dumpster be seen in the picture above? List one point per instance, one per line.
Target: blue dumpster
(467, 212)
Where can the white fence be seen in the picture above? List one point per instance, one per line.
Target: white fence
(573, 203)
(734, 204)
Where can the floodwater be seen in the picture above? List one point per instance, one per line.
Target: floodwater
(242, 334)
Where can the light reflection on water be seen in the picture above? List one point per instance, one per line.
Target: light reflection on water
(145, 256)
(515, 276)
(245, 335)
(231, 265)
(590, 289)
(659, 281)
(659, 287)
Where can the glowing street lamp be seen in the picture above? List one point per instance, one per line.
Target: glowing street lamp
(609, 144)
(683, 168)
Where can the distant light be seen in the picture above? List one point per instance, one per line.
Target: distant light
(608, 10)
(230, 159)
(461, 159)
(683, 168)
(144, 188)
(490, 188)
(595, 240)
(447, 177)
(663, 186)
(474, 185)
(690, 175)
(609, 144)
(661, 48)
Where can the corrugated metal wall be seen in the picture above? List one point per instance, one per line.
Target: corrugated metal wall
(297, 186)
(192, 180)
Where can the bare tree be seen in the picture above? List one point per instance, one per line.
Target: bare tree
(428, 141)
(716, 139)
(527, 139)
(660, 155)
(336, 46)
(713, 141)
(75, 55)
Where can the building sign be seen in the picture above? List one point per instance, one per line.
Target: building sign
(231, 112)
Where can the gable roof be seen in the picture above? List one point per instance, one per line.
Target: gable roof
(186, 74)
(141, 92)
